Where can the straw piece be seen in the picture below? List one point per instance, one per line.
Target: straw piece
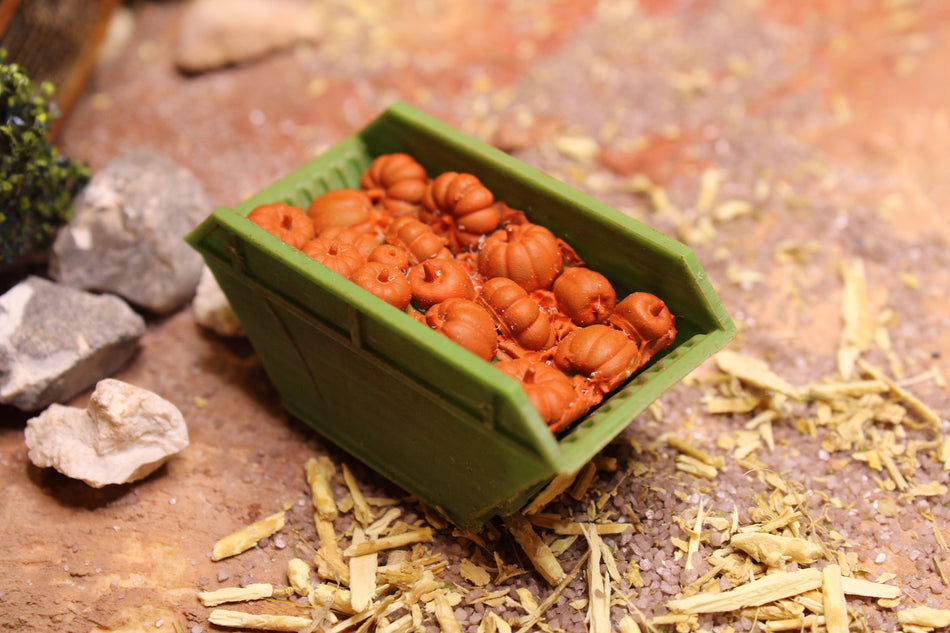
(333, 597)
(925, 616)
(598, 605)
(836, 610)
(298, 575)
(320, 491)
(260, 622)
(775, 550)
(247, 537)
(255, 591)
(754, 372)
(362, 575)
(445, 614)
(422, 535)
(758, 592)
(537, 551)
(328, 559)
(361, 509)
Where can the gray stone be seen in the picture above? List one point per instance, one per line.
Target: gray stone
(217, 33)
(124, 434)
(212, 309)
(127, 235)
(57, 341)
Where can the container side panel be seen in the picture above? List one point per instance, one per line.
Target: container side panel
(409, 434)
(272, 342)
(495, 399)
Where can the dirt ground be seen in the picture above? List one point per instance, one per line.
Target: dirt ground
(832, 117)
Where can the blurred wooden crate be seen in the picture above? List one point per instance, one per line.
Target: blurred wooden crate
(55, 41)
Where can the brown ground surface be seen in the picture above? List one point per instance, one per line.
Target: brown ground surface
(841, 108)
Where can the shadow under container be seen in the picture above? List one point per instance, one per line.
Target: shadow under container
(424, 412)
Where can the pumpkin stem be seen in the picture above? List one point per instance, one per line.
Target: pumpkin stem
(431, 272)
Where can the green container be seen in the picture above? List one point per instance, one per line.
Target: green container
(419, 409)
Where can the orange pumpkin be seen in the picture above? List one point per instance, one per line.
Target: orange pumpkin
(647, 320)
(550, 391)
(385, 281)
(390, 254)
(416, 238)
(341, 207)
(396, 181)
(528, 254)
(287, 222)
(466, 323)
(584, 295)
(364, 242)
(466, 202)
(436, 280)
(518, 316)
(340, 257)
(602, 354)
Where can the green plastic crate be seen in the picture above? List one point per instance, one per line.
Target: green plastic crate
(419, 409)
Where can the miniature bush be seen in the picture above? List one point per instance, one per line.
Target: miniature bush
(37, 183)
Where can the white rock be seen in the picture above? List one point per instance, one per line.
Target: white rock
(124, 434)
(216, 33)
(212, 309)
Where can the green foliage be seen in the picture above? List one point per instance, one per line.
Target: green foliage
(37, 183)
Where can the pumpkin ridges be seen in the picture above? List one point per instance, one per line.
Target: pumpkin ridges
(436, 280)
(517, 314)
(550, 391)
(604, 355)
(341, 207)
(287, 222)
(584, 295)
(417, 238)
(339, 256)
(527, 253)
(385, 281)
(465, 322)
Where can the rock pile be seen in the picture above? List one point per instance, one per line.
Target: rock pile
(125, 247)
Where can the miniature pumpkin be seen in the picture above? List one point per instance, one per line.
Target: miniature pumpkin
(340, 257)
(464, 199)
(390, 254)
(466, 323)
(601, 353)
(287, 222)
(341, 207)
(385, 281)
(550, 391)
(364, 242)
(436, 280)
(584, 295)
(397, 181)
(647, 320)
(417, 238)
(518, 316)
(527, 253)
